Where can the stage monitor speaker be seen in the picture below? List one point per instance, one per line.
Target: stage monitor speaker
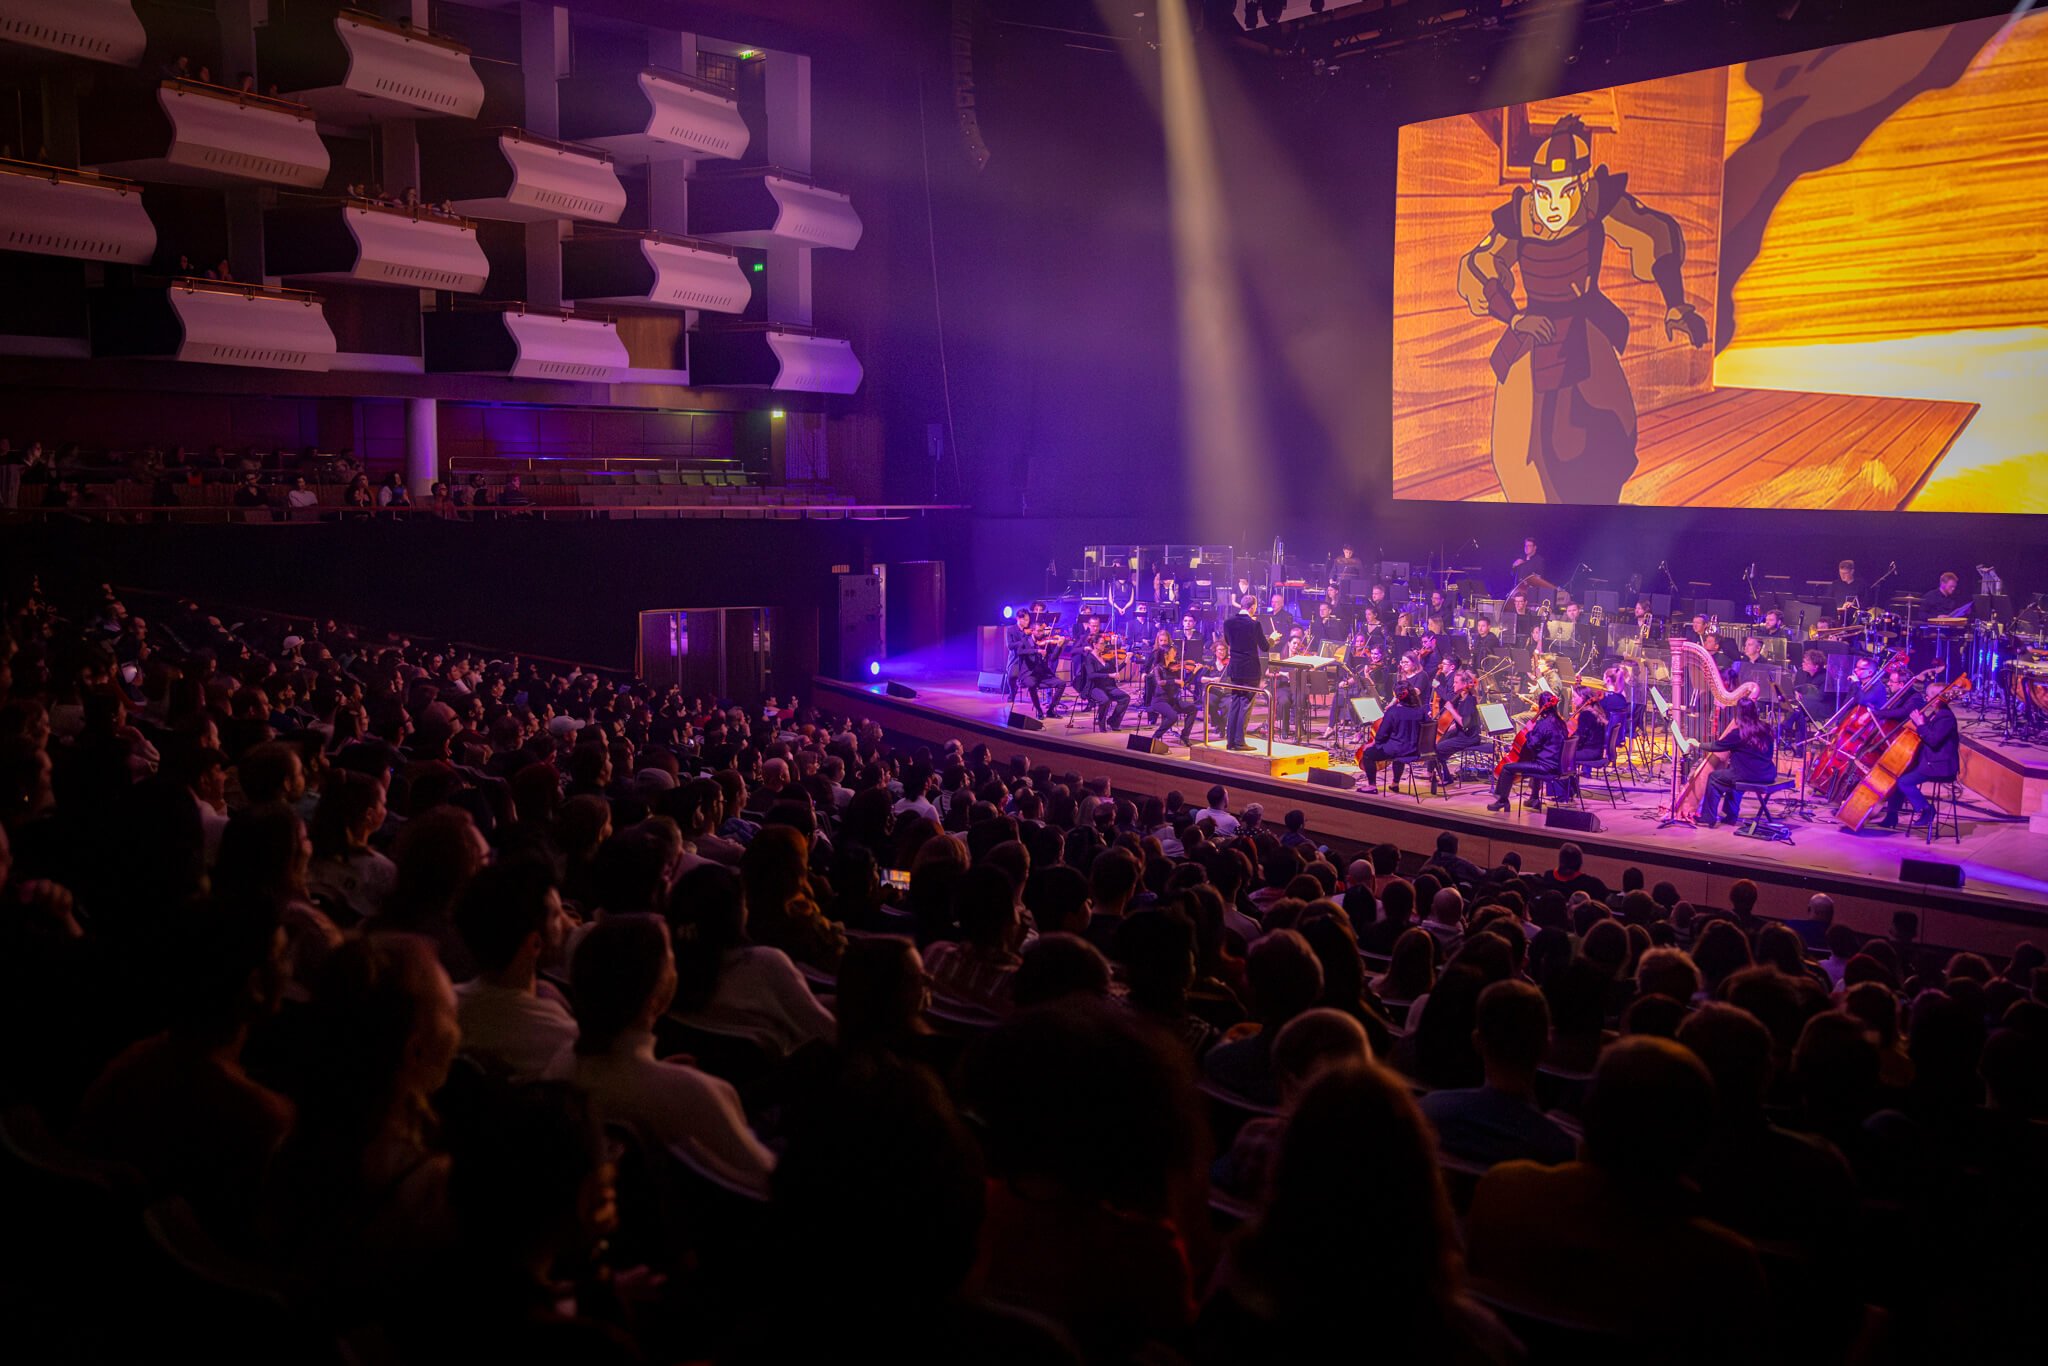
(1019, 721)
(989, 681)
(1144, 744)
(1330, 777)
(1566, 818)
(1930, 872)
(899, 690)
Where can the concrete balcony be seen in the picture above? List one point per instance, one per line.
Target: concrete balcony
(97, 30)
(763, 206)
(513, 176)
(190, 133)
(653, 116)
(52, 211)
(372, 244)
(647, 269)
(214, 322)
(773, 356)
(357, 68)
(523, 344)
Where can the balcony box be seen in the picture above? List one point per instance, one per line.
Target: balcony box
(653, 116)
(774, 357)
(764, 207)
(371, 244)
(523, 345)
(516, 177)
(99, 30)
(356, 68)
(215, 322)
(51, 211)
(189, 133)
(651, 270)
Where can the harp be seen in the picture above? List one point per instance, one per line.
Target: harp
(1702, 705)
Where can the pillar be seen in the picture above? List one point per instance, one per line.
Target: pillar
(422, 445)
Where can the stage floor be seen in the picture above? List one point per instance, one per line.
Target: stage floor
(2005, 867)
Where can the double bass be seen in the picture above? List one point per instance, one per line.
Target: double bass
(1857, 742)
(1898, 755)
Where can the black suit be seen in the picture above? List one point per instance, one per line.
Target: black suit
(1247, 645)
(1937, 761)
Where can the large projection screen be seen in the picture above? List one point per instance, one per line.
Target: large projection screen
(1811, 281)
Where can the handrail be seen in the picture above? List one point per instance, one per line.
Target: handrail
(1260, 688)
(684, 78)
(464, 304)
(673, 239)
(581, 149)
(418, 213)
(793, 329)
(195, 284)
(43, 170)
(247, 98)
(401, 29)
(742, 171)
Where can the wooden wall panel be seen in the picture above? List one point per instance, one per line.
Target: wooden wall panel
(1669, 142)
(1928, 228)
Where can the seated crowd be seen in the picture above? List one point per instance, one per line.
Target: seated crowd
(458, 1005)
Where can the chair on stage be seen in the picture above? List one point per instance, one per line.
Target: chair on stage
(1604, 769)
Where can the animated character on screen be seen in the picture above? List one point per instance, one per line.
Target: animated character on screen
(1564, 421)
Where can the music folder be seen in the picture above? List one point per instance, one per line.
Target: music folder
(1367, 709)
(1494, 716)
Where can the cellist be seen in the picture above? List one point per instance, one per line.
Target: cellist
(1936, 760)
(1458, 727)
(1397, 739)
(1539, 753)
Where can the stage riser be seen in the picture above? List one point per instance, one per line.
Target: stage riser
(2011, 781)
(1950, 920)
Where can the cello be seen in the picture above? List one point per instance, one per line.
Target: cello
(1883, 775)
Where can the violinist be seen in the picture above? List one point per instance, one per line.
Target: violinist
(1538, 751)
(1751, 751)
(1028, 664)
(1458, 727)
(1170, 702)
(1936, 760)
(1095, 684)
(1397, 738)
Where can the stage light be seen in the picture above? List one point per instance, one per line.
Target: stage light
(874, 668)
(760, 266)
(1009, 612)
(775, 412)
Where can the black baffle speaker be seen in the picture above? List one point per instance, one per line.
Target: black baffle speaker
(1019, 721)
(1566, 818)
(1330, 777)
(1930, 872)
(899, 690)
(1144, 744)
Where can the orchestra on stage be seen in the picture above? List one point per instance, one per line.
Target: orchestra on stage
(1835, 694)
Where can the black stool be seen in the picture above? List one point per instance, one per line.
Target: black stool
(1938, 790)
(1760, 826)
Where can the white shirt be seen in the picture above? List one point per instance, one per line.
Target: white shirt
(674, 1104)
(1226, 824)
(302, 498)
(919, 805)
(762, 997)
(519, 1033)
(212, 825)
